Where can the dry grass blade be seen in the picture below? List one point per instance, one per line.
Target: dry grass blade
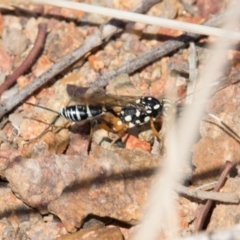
(135, 17)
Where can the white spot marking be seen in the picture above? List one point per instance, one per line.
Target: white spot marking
(66, 114)
(138, 101)
(142, 100)
(137, 122)
(72, 114)
(131, 125)
(146, 119)
(119, 123)
(128, 118)
(78, 114)
(149, 111)
(88, 111)
(137, 113)
(149, 98)
(156, 106)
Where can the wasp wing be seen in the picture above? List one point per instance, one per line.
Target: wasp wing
(98, 97)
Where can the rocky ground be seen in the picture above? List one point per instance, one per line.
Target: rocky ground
(51, 188)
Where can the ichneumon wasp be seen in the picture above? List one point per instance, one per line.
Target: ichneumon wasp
(116, 114)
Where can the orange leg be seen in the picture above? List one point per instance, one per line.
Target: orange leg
(93, 124)
(159, 135)
(156, 133)
(121, 134)
(113, 124)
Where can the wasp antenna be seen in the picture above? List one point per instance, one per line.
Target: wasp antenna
(48, 109)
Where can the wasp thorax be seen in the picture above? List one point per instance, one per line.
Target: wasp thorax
(141, 113)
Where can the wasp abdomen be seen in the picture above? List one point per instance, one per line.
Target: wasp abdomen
(81, 112)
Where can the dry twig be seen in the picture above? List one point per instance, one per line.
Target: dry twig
(203, 210)
(42, 29)
(211, 195)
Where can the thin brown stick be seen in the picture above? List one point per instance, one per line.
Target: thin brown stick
(42, 30)
(204, 209)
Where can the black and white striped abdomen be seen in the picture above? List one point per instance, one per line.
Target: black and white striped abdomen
(78, 113)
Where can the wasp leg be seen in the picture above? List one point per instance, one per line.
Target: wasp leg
(93, 124)
(159, 134)
(104, 126)
(113, 124)
(121, 133)
(119, 130)
(120, 144)
(50, 128)
(156, 133)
